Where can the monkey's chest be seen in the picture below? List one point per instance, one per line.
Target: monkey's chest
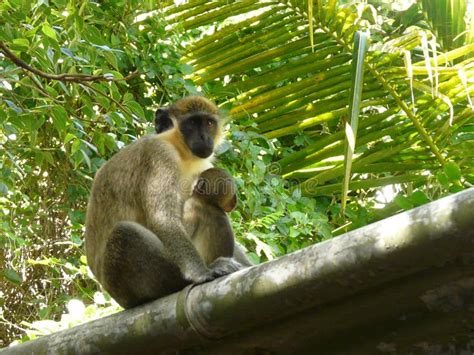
(190, 171)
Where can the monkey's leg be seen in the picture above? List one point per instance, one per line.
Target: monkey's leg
(136, 268)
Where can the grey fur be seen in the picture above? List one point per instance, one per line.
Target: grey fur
(135, 240)
(136, 243)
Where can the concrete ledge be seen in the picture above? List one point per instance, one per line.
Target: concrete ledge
(402, 284)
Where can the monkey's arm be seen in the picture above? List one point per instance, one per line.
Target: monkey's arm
(180, 250)
(190, 218)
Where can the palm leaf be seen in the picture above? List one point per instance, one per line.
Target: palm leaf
(448, 22)
(284, 73)
(358, 57)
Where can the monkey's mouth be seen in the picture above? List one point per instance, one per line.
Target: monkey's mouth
(202, 152)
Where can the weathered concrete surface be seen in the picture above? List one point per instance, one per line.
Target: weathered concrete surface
(401, 285)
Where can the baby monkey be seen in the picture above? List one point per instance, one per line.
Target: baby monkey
(207, 224)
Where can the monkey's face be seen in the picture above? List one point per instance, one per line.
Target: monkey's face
(199, 131)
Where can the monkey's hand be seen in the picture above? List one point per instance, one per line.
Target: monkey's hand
(199, 277)
(223, 266)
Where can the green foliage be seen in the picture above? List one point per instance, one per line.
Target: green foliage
(273, 79)
(447, 20)
(97, 70)
(55, 134)
(273, 218)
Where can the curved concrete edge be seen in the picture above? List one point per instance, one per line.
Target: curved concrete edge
(428, 239)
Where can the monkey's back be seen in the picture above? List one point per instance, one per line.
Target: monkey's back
(118, 190)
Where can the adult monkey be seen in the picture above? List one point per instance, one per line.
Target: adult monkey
(136, 243)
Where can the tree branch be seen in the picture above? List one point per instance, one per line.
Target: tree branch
(76, 78)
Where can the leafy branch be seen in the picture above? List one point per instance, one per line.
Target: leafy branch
(122, 107)
(76, 78)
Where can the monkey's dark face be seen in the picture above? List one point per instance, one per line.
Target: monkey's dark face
(199, 131)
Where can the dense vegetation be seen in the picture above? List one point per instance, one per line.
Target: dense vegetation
(81, 79)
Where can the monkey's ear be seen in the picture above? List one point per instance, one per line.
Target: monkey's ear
(231, 204)
(163, 120)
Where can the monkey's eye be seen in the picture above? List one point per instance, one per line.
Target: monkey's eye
(210, 123)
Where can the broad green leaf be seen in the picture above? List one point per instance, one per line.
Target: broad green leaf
(111, 59)
(442, 178)
(87, 159)
(51, 91)
(49, 31)
(76, 145)
(99, 141)
(60, 118)
(69, 136)
(452, 171)
(3, 189)
(83, 260)
(93, 35)
(103, 101)
(13, 106)
(419, 198)
(90, 145)
(114, 92)
(136, 108)
(44, 312)
(403, 202)
(21, 44)
(12, 276)
(128, 97)
(110, 141)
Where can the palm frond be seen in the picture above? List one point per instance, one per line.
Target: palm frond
(261, 63)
